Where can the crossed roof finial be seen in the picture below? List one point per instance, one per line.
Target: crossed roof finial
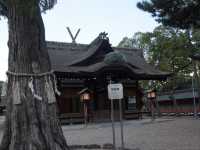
(71, 35)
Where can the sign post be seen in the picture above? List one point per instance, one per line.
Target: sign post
(115, 92)
(113, 123)
(85, 113)
(121, 124)
(194, 100)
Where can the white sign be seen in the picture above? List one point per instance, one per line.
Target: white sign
(115, 91)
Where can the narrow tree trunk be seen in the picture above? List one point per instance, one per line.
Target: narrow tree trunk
(175, 107)
(31, 123)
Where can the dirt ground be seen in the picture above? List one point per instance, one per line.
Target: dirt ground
(181, 133)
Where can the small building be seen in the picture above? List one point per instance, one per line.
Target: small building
(94, 66)
(182, 101)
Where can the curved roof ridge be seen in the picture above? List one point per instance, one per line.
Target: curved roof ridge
(127, 48)
(130, 50)
(62, 45)
(92, 49)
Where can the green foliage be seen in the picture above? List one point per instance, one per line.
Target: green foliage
(46, 4)
(26, 4)
(126, 43)
(176, 13)
(183, 14)
(168, 49)
(3, 8)
(139, 41)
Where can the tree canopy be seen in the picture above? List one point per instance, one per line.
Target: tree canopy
(44, 5)
(183, 14)
(166, 48)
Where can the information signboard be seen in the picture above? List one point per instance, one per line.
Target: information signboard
(115, 91)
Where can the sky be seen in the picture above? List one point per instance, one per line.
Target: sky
(119, 18)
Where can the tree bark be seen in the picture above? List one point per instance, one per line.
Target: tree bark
(31, 124)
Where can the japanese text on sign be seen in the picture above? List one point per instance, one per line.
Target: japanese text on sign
(115, 91)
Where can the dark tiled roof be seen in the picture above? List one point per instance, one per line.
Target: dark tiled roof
(64, 53)
(67, 57)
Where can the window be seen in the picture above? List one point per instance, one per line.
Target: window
(131, 102)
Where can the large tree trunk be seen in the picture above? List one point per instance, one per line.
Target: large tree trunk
(31, 122)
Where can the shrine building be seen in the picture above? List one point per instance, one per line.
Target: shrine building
(93, 66)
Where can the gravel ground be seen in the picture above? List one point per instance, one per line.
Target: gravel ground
(162, 134)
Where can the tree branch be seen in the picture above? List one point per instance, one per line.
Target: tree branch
(3, 8)
(46, 4)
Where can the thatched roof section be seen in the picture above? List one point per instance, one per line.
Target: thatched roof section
(89, 59)
(62, 54)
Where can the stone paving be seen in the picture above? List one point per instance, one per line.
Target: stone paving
(163, 134)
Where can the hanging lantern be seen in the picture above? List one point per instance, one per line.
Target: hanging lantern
(151, 94)
(85, 95)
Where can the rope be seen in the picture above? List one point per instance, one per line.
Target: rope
(55, 85)
(49, 91)
(30, 85)
(49, 86)
(30, 74)
(16, 93)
